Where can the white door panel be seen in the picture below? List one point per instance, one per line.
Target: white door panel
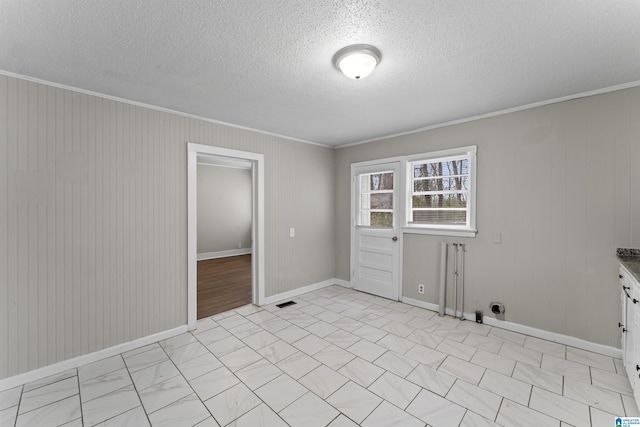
(379, 242)
(376, 235)
(382, 260)
(375, 274)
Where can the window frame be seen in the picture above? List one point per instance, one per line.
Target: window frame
(466, 230)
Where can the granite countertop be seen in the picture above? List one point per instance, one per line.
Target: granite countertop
(630, 259)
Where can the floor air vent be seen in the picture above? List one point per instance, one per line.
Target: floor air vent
(285, 304)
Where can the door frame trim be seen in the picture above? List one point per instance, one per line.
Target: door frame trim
(257, 228)
(401, 183)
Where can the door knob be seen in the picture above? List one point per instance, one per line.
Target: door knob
(394, 238)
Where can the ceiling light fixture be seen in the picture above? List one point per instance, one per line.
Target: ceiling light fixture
(357, 61)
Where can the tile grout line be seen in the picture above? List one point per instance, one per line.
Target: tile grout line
(80, 396)
(15, 422)
(135, 387)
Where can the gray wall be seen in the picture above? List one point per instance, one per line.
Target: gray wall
(93, 219)
(560, 183)
(224, 208)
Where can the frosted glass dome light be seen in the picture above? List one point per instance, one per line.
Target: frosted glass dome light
(357, 61)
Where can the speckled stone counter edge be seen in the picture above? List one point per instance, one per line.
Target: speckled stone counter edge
(627, 252)
(630, 259)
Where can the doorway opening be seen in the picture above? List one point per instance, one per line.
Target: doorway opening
(253, 250)
(224, 234)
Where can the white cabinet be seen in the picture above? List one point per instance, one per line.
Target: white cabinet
(630, 325)
(628, 322)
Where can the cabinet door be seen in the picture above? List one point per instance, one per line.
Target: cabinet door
(623, 321)
(632, 319)
(634, 363)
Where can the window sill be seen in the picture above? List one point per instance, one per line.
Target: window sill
(440, 231)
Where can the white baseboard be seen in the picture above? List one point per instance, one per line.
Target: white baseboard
(528, 330)
(223, 254)
(76, 362)
(553, 336)
(343, 283)
(421, 304)
(299, 291)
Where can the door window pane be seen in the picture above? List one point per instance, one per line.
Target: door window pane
(382, 219)
(382, 201)
(376, 199)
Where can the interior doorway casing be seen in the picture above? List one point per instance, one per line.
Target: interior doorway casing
(257, 229)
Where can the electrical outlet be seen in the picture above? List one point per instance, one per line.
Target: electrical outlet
(420, 288)
(292, 232)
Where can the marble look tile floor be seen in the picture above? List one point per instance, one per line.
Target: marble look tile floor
(336, 358)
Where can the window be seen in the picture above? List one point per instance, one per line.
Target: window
(376, 199)
(441, 192)
(437, 196)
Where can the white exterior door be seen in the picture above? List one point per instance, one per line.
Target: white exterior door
(376, 237)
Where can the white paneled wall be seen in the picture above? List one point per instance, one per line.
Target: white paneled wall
(93, 247)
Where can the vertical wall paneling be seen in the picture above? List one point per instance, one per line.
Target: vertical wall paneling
(623, 176)
(23, 223)
(41, 228)
(5, 303)
(93, 139)
(633, 111)
(11, 218)
(556, 310)
(93, 219)
(575, 211)
(56, 222)
(601, 213)
(138, 139)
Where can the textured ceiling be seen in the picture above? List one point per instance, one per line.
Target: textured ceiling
(266, 64)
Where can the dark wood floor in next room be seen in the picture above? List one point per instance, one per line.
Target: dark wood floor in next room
(223, 284)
